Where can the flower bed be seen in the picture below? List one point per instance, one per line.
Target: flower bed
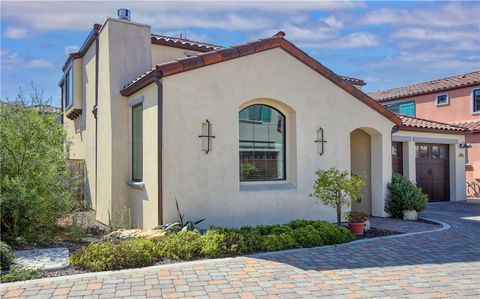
(217, 242)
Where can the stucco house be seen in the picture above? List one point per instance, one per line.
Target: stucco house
(235, 134)
(454, 100)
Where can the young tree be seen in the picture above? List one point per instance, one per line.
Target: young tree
(32, 194)
(336, 188)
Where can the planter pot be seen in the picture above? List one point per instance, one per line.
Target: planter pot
(410, 215)
(367, 225)
(356, 228)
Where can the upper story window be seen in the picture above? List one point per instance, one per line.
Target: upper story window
(68, 88)
(262, 144)
(405, 108)
(476, 101)
(441, 99)
(137, 143)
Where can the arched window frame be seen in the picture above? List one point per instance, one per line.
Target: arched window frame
(284, 142)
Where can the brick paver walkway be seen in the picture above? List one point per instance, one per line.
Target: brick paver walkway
(437, 264)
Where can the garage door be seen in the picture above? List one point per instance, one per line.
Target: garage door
(432, 170)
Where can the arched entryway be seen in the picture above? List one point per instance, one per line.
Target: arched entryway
(361, 163)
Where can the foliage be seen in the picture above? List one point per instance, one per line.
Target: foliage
(181, 225)
(404, 195)
(184, 246)
(32, 194)
(18, 273)
(6, 256)
(248, 170)
(357, 217)
(336, 189)
(131, 253)
(216, 242)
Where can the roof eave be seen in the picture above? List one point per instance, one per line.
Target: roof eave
(430, 130)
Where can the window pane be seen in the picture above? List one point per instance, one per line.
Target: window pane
(476, 100)
(262, 144)
(137, 143)
(68, 87)
(407, 108)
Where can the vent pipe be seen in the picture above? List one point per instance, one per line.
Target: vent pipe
(124, 14)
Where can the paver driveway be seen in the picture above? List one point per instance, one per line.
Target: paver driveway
(437, 264)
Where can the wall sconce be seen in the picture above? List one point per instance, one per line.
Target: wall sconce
(320, 141)
(206, 136)
(464, 145)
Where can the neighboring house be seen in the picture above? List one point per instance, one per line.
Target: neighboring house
(234, 134)
(454, 100)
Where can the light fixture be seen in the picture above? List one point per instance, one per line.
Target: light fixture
(464, 145)
(206, 136)
(320, 141)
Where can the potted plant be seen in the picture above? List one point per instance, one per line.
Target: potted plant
(336, 188)
(356, 222)
(404, 199)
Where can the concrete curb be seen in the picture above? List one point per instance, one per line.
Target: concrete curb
(445, 226)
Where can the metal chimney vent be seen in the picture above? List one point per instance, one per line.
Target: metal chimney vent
(124, 14)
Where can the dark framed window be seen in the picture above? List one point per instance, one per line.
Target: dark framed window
(405, 108)
(137, 143)
(476, 100)
(441, 99)
(68, 83)
(262, 144)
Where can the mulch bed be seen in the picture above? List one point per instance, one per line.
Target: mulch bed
(375, 233)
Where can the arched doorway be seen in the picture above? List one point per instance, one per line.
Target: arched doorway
(361, 163)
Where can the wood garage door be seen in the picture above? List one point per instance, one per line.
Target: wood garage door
(433, 170)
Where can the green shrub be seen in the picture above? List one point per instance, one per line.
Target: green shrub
(104, 256)
(213, 244)
(274, 242)
(18, 273)
(404, 195)
(6, 256)
(308, 236)
(180, 246)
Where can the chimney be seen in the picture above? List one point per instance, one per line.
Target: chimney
(124, 14)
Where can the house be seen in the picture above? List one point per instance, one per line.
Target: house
(453, 100)
(235, 134)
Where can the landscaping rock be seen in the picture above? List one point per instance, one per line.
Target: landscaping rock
(49, 259)
(125, 234)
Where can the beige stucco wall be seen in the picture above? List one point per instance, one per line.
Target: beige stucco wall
(161, 54)
(208, 186)
(457, 158)
(360, 157)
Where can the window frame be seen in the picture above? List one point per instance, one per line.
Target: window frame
(284, 140)
(399, 103)
(439, 95)
(472, 104)
(133, 178)
(68, 87)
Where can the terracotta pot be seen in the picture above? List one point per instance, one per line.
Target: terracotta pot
(356, 228)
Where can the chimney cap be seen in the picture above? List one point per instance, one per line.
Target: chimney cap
(124, 14)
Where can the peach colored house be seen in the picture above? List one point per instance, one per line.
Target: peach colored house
(454, 100)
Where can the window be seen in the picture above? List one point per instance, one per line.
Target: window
(441, 99)
(137, 143)
(405, 108)
(68, 87)
(476, 101)
(262, 144)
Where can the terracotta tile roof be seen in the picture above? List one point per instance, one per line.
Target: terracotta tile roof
(419, 124)
(457, 81)
(183, 43)
(225, 54)
(472, 125)
(354, 81)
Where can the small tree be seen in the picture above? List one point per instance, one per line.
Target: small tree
(32, 195)
(404, 195)
(336, 188)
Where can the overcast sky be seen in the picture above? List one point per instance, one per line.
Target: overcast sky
(387, 44)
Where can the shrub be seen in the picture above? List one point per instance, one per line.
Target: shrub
(213, 244)
(274, 242)
(18, 273)
(404, 195)
(181, 246)
(32, 194)
(357, 217)
(6, 255)
(308, 236)
(336, 188)
(131, 253)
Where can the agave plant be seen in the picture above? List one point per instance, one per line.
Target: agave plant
(181, 224)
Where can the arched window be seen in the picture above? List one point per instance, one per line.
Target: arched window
(262, 144)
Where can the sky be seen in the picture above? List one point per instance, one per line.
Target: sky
(387, 44)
